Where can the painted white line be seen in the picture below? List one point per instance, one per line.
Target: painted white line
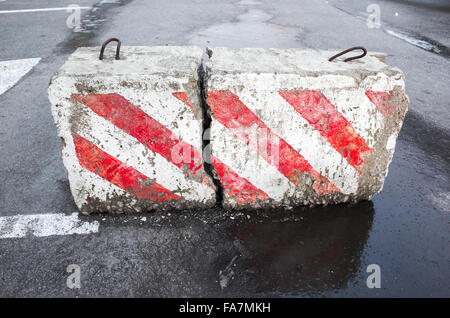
(44, 9)
(12, 71)
(417, 42)
(357, 108)
(42, 225)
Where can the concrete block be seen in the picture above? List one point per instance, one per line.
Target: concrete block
(291, 128)
(131, 129)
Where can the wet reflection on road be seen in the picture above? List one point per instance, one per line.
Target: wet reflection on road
(313, 250)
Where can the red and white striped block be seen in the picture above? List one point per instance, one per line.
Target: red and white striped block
(131, 140)
(296, 129)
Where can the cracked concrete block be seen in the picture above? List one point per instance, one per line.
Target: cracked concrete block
(291, 128)
(131, 129)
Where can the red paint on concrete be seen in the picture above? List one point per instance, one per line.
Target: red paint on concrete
(183, 97)
(236, 187)
(331, 124)
(233, 114)
(118, 173)
(135, 122)
(382, 101)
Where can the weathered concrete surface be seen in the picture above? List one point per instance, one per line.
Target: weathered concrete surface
(131, 129)
(296, 129)
(408, 237)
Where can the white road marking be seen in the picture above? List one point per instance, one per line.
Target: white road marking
(43, 10)
(12, 71)
(417, 42)
(42, 225)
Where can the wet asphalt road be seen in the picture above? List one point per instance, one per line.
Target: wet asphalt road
(304, 252)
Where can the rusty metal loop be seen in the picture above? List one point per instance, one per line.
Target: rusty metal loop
(106, 43)
(349, 50)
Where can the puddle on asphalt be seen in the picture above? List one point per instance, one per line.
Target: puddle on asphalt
(318, 252)
(91, 22)
(303, 251)
(94, 18)
(420, 41)
(311, 250)
(248, 2)
(252, 28)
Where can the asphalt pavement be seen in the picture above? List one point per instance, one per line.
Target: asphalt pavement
(322, 251)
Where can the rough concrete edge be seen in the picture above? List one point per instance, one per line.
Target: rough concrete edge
(109, 53)
(396, 130)
(202, 82)
(53, 82)
(358, 77)
(379, 55)
(197, 76)
(382, 57)
(206, 134)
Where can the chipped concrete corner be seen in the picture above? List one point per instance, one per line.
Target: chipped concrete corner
(291, 128)
(131, 129)
(259, 128)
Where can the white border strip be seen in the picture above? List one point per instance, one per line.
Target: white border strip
(42, 225)
(45, 9)
(13, 70)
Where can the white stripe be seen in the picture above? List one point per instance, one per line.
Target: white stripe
(357, 108)
(267, 81)
(12, 71)
(45, 9)
(42, 225)
(286, 122)
(172, 113)
(384, 83)
(86, 185)
(129, 150)
(248, 164)
(161, 105)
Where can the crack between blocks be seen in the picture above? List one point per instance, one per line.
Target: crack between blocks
(206, 135)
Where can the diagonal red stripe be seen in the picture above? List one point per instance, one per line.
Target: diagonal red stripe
(382, 101)
(183, 97)
(233, 114)
(237, 188)
(135, 122)
(334, 127)
(118, 173)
